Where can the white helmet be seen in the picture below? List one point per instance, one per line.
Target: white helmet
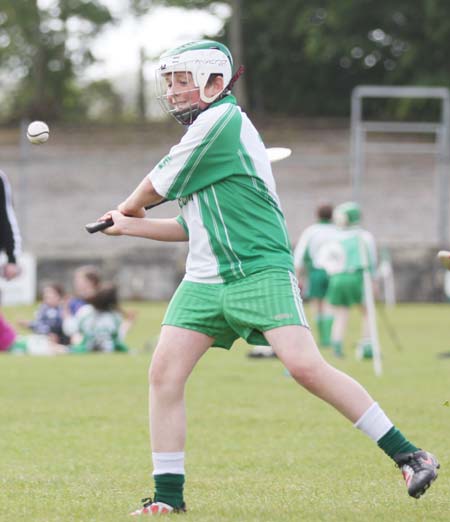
(201, 59)
(347, 214)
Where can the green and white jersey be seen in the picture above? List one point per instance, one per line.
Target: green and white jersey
(99, 330)
(350, 250)
(310, 243)
(221, 176)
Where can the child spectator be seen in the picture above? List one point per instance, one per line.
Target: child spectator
(49, 316)
(7, 335)
(86, 282)
(99, 325)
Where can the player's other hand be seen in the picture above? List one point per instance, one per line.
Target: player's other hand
(10, 271)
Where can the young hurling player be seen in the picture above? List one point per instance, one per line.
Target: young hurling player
(306, 267)
(239, 278)
(344, 257)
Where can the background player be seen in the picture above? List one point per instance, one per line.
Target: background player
(313, 280)
(344, 258)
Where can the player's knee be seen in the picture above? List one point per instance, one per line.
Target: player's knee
(164, 378)
(307, 373)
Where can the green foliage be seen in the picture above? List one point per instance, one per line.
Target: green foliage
(306, 56)
(101, 101)
(301, 58)
(74, 441)
(315, 53)
(43, 49)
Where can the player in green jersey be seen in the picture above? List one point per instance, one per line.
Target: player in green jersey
(312, 278)
(344, 257)
(239, 278)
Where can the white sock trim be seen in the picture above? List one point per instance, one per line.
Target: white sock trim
(374, 422)
(168, 463)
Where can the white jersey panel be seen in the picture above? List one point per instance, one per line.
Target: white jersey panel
(311, 240)
(201, 263)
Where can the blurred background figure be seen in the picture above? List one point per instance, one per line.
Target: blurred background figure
(99, 325)
(312, 279)
(10, 246)
(85, 285)
(345, 257)
(49, 316)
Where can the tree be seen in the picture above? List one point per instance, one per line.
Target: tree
(42, 49)
(305, 56)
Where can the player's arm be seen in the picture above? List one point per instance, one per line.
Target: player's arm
(10, 240)
(143, 195)
(158, 229)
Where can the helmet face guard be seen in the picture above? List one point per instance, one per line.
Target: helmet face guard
(180, 102)
(197, 61)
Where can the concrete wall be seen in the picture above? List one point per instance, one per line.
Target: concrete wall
(153, 273)
(82, 172)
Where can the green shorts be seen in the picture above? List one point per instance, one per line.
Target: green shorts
(346, 289)
(244, 308)
(317, 283)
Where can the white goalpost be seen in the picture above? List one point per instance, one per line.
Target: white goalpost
(440, 130)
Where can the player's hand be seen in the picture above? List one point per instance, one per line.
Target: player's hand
(118, 219)
(10, 271)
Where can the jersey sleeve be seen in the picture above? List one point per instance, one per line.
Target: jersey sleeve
(10, 240)
(206, 154)
(183, 223)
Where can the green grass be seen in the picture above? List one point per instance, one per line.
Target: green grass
(74, 445)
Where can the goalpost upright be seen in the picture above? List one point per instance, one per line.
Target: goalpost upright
(360, 128)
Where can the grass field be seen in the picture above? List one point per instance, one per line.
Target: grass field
(74, 446)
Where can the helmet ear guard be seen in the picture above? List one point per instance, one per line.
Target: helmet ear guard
(200, 59)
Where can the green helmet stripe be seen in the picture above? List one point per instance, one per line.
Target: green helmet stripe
(203, 44)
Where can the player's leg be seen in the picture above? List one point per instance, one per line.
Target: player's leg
(340, 321)
(175, 356)
(192, 322)
(364, 347)
(296, 348)
(270, 302)
(318, 285)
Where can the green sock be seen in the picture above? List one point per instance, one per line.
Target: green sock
(319, 326)
(325, 331)
(394, 442)
(169, 489)
(337, 348)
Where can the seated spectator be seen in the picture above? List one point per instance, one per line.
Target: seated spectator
(7, 335)
(49, 316)
(86, 282)
(99, 325)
